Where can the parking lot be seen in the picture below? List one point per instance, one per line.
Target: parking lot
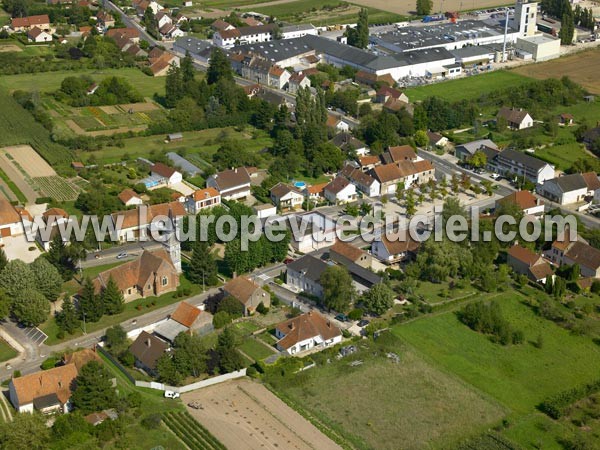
(36, 336)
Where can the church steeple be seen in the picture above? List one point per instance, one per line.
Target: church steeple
(171, 243)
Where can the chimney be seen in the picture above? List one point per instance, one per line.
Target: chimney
(235, 170)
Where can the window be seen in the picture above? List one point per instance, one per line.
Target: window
(165, 281)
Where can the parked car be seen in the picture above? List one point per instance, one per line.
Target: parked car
(122, 255)
(288, 260)
(195, 404)
(363, 323)
(495, 176)
(342, 318)
(172, 394)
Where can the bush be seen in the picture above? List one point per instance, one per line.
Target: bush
(276, 302)
(556, 405)
(595, 288)
(262, 309)
(134, 400)
(152, 421)
(252, 372)
(355, 314)
(221, 319)
(49, 363)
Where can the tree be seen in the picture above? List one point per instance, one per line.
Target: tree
(479, 159)
(174, 88)
(379, 298)
(94, 390)
(3, 259)
(219, 67)
(359, 36)
(5, 302)
(567, 24)
(150, 23)
(30, 307)
(203, 266)
(231, 306)
(66, 318)
(116, 339)
(25, 431)
(167, 371)
(338, 289)
(90, 305)
(15, 277)
(47, 278)
(421, 138)
(409, 203)
(229, 358)
(424, 7)
(188, 73)
(190, 354)
(112, 298)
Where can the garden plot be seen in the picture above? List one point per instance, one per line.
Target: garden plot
(57, 188)
(29, 160)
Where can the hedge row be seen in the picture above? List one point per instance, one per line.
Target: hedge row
(556, 405)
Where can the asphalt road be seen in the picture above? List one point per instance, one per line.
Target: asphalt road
(109, 256)
(130, 23)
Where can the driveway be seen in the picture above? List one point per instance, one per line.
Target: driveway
(17, 247)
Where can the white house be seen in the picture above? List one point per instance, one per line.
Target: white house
(570, 189)
(232, 184)
(515, 163)
(162, 19)
(304, 275)
(311, 231)
(168, 174)
(129, 198)
(516, 118)
(10, 220)
(38, 35)
(394, 247)
(305, 332)
(202, 199)
(339, 125)
(296, 31)
(340, 190)
(286, 197)
(243, 35)
(528, 203)
(363, 181)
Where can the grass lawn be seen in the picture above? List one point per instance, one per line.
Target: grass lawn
(434, 292)
(50, 81)
(131, 310)
(467, 88)
(520, 376)
(380, 404)
(197, 144)
(563, 156)
(6, 351)
(255, 350)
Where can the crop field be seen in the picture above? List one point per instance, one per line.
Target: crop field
(57, 188)
(582, 68)
(406, 7)
(243, 411)
(29, 160)
(518, 376)
(467, 88)
(377, 402)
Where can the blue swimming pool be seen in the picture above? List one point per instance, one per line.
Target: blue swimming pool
(300, 184)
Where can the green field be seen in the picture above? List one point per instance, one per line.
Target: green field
(563, 156)
(199, 146)
(6, 351)
(255, 349)
(50, 81)
(520, 376)
(466, 88)
(386, 405)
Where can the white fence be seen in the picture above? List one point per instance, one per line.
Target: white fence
(193, 386)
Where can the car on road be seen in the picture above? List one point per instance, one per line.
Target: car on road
(342, 318)
(495, 176)
(288, 260)
(122, 255)
(363, 323)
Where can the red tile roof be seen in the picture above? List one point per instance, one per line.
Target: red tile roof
(186, 314)
(306, 326)
(30, 21)
(53, 381)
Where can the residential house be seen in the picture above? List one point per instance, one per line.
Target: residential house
(286, 197)
(151, 275)
(388, 176)
(350, 145)
(297, 31)
(384, 93)
(311, 231)
(162, 19)
(54, 219)
(345, 253)
(171, 31)
(514, 163)
(393, 105)
(161, 61)
(337, 124)
(570, 189)
(48, 391)
(465, 151)
(516, 118)
(169, 174)
(304, 274)
(297, 81)
(186, 318)
(398, 154)
(565, 120)
(525, 201)
(395, 247)
(81, 357)
(243, 35)
(436, 140)
(577, 251)
(315, 192)
(38, 35)
(19, 24)
(364, 182)
(248, 293)
(133, 223)
(131, 34)
(340, 190)
(221, 25)
(405, 172)
(147, 350)
(202, 199)
(129, 198)
(10, 220)
(368, 162)
(306, 332)
(525, 262)
(278, 77)
(232, 184)
(105, 19)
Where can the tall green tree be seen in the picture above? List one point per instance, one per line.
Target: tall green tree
(112, 298)
(174, 86)
(5, 302)
(190, 354)
(219, 67)
(116, 339)
(67, 318)
(424, 7)
(167, 370)
(338, 288)
(359, 36)
(25, 431)
(567, 24)
(93, 389)
(150, 23)
(90, 305)
(379, 298)
(188, 73)
(30, 307)
(3, 259)
(47, 278)
(15, 277)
